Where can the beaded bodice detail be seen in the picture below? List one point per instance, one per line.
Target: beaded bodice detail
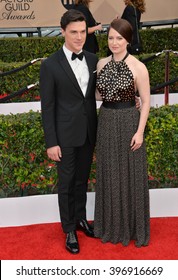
(115, 82)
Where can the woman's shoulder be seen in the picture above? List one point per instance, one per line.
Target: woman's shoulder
(136, 65)
(103, 61)
(85, 10)
(82, 8)
(129, 8)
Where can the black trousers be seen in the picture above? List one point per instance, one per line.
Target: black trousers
(73, 173)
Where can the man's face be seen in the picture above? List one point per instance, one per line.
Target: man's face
(75, 36)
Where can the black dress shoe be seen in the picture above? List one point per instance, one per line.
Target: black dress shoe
(72, 242)
(84, 226)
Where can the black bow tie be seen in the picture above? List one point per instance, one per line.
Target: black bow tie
(79, 56)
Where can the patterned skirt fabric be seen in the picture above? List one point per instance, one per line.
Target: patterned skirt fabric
(122, 195)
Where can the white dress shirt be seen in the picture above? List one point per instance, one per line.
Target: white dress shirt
(79, 68)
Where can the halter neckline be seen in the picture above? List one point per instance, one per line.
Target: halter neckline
(127, 54)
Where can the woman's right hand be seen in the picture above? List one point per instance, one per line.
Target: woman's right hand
(136, 141)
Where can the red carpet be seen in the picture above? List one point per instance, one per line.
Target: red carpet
(46, 242)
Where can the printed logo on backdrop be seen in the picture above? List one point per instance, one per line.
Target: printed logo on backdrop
(14, 10)
(67, 3)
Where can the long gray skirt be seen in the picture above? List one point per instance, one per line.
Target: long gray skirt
(122, 195)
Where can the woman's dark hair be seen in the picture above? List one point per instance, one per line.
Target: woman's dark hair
(123, 27)
(71, 16)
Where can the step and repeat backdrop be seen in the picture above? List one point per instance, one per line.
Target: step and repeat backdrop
(45, 13)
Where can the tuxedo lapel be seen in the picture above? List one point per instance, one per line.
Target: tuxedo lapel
(68, 70)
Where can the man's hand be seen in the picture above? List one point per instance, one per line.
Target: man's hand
(138, 102)
(54, 153)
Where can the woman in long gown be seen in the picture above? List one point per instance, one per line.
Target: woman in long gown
(122, 194)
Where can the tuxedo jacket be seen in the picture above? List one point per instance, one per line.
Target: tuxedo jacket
(67, 115)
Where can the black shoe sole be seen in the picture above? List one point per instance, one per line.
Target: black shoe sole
(70, 251)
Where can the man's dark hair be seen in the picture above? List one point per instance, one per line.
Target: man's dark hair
(71, 16)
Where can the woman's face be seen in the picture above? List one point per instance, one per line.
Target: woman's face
(116, 42)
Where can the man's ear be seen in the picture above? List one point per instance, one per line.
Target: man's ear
(63, 32)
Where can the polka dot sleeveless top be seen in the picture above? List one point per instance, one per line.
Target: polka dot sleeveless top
(115, 82)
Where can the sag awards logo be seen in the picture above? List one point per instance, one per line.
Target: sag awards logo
(67, 4)
(17, 10)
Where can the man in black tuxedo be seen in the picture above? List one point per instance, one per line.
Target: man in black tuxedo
(67, 89)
